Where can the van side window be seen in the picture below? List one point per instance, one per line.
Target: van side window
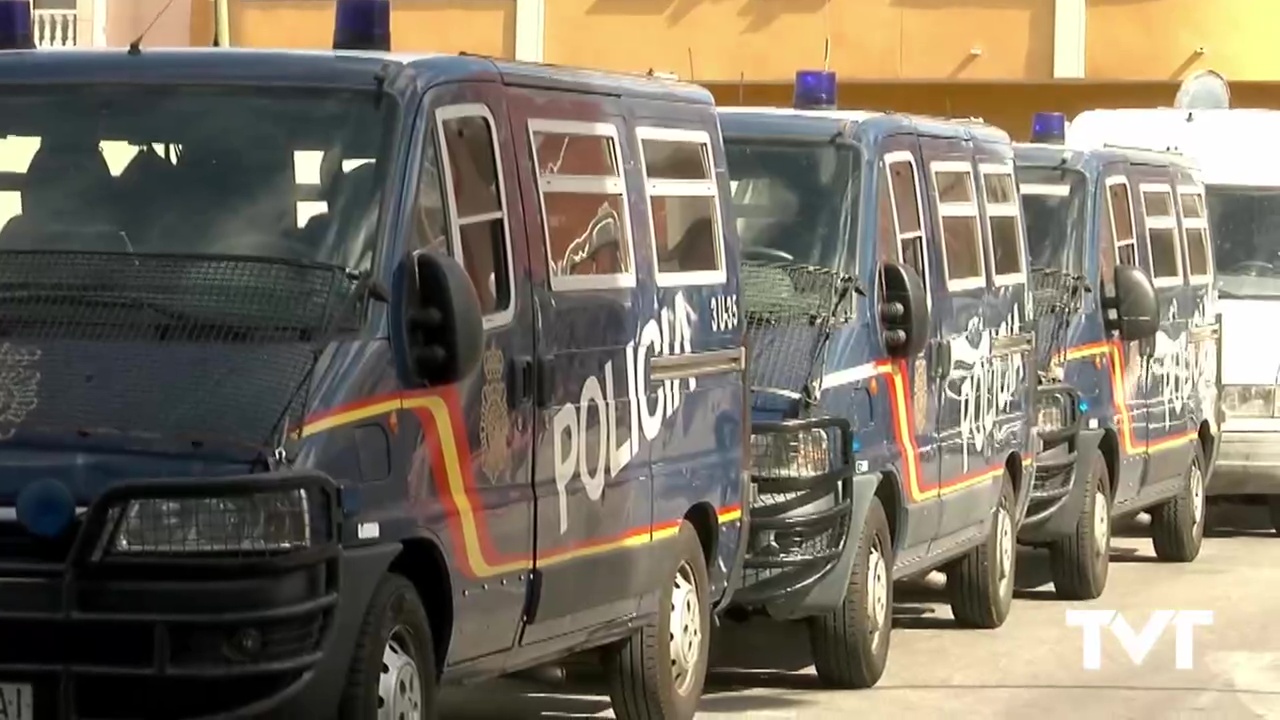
(1195, 223)
(1124, 239)
(961, 236)
(477, 205)
(1162, 234)
(584, 204)
(904, 191)
(1004, 222)
(684, 207)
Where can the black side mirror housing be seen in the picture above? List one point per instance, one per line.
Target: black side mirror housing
(904, 310)
(444, 327)
(1134, 303)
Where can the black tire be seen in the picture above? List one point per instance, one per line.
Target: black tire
(1273, 512)
(1081, 561)
(980, 585)
(395, 626)
(642, 678)
(849, 650)
(1177, 526)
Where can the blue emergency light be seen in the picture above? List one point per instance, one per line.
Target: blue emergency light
(15, 25)
(815, 90)
(362, 25)
(1049, 127)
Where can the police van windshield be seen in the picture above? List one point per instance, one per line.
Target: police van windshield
(794, 202)
(258, 172)
(1053, 203)
(1246, 235)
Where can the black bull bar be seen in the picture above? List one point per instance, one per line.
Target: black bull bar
(800, 523)
(104, 635)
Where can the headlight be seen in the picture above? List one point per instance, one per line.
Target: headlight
(261, 522)
(1057, 409)
(1249, 400)
(804, 453)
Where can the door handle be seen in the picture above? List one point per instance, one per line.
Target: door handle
(546, 380)
(519, 381)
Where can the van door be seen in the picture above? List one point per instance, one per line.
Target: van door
(591, 471)
(1168, 381)
(479, 446)
(1126, 359)
(965, 430)
(903, 206)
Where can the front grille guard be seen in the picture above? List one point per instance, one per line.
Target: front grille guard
(162, 602)
(810, 513)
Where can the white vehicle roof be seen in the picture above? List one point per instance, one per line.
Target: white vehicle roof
(1229, 146)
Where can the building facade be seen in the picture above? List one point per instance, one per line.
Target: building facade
(999, 59)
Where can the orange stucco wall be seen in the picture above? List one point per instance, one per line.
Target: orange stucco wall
(1159, 39)
(767, 40)
(486, 27)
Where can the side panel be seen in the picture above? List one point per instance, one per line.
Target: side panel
(960, 309)
(1117, 197)
(909, 403)
(1168, 385)
(696, 374)
(487, 490)
(591, 474)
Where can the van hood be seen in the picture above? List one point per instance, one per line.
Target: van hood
(167, 354)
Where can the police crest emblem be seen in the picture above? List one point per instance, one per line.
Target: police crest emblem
(921, 391)
(495, 420)
(19, 386)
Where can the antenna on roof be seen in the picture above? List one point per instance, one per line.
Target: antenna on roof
(1204, 90)
(135, 47)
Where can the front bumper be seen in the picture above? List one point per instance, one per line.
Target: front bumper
(1248, 463)
(803, 530)
(1058, 489)
(100, 635)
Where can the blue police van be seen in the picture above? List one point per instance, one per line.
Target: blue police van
(884, 285)
(1123, 279)
(329, 377)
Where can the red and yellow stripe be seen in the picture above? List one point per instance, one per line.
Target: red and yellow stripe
(1112, 353)
(904, 431)
(445, 437)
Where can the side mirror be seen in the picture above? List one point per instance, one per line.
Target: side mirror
(444, 328)
(904, 310)
(1134, 302)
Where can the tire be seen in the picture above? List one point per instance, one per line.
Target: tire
(644, 681)
(980, 584)
(850, 645)
(1177, 526)
(393, 669)
(1273, 512)
(1080, 562)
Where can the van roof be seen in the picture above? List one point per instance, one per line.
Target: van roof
(349, 69)
(1045, 155)
(1229, 146)
(783, 122)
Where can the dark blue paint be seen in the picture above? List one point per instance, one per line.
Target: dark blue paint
(682, 468)
(46, 508)
(15, 25)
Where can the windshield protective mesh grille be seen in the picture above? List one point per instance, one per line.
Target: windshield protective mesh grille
(1056, 298)
(791, 311)
(199, 349)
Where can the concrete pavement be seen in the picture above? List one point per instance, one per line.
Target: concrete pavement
(1029, 668)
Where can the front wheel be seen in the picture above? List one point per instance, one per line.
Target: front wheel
(393, 670)
(1177, 527)
(980, 584)
(851, 644)
(1081, 561)
(658, 673)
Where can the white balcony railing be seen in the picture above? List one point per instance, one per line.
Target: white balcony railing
(55, 28)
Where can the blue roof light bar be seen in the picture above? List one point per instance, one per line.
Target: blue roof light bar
(1049, 128)
(815, 90)
(362, 25)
